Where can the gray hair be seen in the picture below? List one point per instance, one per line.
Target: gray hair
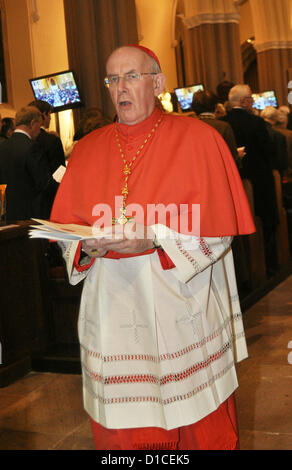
(284, 109)
(238, 92)
(282, 120)
(270, 113)
(27, 114)
(279, 117)
(154, 66)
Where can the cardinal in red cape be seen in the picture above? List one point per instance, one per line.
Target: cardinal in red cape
(160, 324)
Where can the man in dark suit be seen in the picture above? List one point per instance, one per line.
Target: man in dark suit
(53, 152)
(204, 105)
(280, 149)
(23, 168)
(251, 132)
(289, 124)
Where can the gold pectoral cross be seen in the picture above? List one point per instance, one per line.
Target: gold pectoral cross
(123, 219)
(127, 170)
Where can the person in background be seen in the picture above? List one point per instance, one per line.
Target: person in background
(285, 110)
(7, 129)
(223, 89)
(204, 105)
(280, 123)
(50, 143)
(289, 123)
(92, 119)
(251, 132)
(160, 324)
(280, 157)
(93, 114)
(94, 122)
(220, 111)
(23, 167)
(52, 150)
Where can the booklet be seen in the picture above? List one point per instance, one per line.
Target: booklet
(64, 232)
(59, 173)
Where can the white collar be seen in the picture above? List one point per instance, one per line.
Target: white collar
(20, 131)
(208, 115)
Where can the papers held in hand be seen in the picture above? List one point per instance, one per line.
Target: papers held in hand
(64, 232)
(59, 173)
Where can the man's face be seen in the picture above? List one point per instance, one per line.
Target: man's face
(134, 102)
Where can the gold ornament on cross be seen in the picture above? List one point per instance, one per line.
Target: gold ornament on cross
(127, 171)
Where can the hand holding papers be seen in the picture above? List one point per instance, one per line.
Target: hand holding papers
(66, 232)
(128, 238)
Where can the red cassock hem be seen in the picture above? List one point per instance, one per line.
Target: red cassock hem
(217, 431)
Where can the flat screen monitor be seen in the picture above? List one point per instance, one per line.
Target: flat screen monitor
(185, 95)
(59, 89)
(264, 99)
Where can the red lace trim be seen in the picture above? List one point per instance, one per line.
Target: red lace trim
(153, 379)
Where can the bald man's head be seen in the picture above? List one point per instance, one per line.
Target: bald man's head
(134, 80)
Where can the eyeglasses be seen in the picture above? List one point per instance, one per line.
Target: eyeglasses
(131, 77)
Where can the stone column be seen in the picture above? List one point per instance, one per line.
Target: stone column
(94, 29)
(212, 42)
(273, 43)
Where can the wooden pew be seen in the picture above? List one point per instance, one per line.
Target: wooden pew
(283, 247)
(254, 245)
(60, 351)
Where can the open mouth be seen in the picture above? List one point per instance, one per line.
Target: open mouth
(125, 103)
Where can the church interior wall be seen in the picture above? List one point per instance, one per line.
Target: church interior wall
(35, 40)
(155, 21)
(35, 35)
(246, 26)
(17, 51)
(50, 53)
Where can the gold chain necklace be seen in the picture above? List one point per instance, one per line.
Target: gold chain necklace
(127, 171)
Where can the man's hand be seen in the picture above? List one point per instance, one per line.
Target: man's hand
(241, 152)
(93, 247)
(126, 239)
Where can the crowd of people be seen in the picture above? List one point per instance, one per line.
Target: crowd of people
(260, 142)
(160, 324)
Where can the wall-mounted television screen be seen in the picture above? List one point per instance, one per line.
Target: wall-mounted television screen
(185, 95)
(59, 89)
(264, 99)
